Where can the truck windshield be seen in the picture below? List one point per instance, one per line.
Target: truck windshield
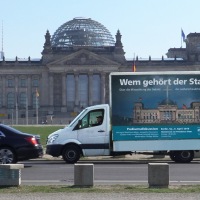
(78, 117)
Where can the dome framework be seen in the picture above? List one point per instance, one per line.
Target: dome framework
(82, 32)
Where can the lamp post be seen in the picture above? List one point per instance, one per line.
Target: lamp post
(26, 107)
(36, 99)
(16, 105)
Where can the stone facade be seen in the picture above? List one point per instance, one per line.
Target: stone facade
(192, 50)
(58, 86)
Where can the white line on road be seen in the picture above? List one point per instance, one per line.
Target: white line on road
(105, 181)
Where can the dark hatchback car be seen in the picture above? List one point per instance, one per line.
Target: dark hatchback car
(18, 146)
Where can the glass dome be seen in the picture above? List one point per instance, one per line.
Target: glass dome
(82, 32)
(167, 102)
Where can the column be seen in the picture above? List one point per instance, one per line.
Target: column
(90, 89)
(17, 83)
(76, 91)
(17, 102)
(4, 96)
(51, 90)
(29, 91)
(44, 89)
(64, 91)
(103, 88)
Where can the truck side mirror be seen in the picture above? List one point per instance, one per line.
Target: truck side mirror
(79, 123)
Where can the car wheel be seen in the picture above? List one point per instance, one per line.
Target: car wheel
(7, 155)
(71, 154)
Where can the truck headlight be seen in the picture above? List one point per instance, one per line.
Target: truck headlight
(52, 139)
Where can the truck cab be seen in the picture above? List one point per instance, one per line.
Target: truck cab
(87, 135)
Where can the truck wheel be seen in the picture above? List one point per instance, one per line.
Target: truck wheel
(182, 156)
(185, 156)
(172, 156)
(71, 154)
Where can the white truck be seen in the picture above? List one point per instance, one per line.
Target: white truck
(149, 112)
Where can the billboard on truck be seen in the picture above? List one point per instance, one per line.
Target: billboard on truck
(155, 106)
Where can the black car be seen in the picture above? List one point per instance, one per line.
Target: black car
(17, 146)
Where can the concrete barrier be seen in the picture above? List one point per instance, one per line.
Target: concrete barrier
(83, 174)
(158, 174)
(10, 174)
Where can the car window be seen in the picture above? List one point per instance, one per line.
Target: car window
(8, 130)
(92, 118)
(96, 118)
(2, 134)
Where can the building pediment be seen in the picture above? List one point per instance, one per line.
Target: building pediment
(83, 57)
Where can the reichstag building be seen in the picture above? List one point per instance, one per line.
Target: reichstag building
(73, 72)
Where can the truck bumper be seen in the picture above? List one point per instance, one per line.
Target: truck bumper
(54, 150)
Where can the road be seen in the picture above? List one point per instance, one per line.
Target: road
(57, 172)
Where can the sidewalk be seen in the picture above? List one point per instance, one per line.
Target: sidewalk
(102, 196)
(124, 157)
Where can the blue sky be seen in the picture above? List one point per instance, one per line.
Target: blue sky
(148, 27)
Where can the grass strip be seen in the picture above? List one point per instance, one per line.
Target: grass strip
(100, 189)
(43, 131)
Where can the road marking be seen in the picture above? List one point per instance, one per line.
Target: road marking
(104, 181)
(40, 181)
(184, 181)
(119, 181)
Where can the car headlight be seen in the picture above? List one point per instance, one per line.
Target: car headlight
(52, 139)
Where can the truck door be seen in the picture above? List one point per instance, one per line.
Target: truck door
(92, 133)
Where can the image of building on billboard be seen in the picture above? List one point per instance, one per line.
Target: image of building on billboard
(167, 111)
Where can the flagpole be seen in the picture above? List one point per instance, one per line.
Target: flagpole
(12, 116)
(134, 68)
(181, 38)
(181, 41)
(16, 105)
(26, 107)
(36, 110)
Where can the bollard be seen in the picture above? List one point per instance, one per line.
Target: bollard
(158, 174)
(10, 174)
(83, 174)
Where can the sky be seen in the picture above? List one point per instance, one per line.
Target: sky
(148, 27)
